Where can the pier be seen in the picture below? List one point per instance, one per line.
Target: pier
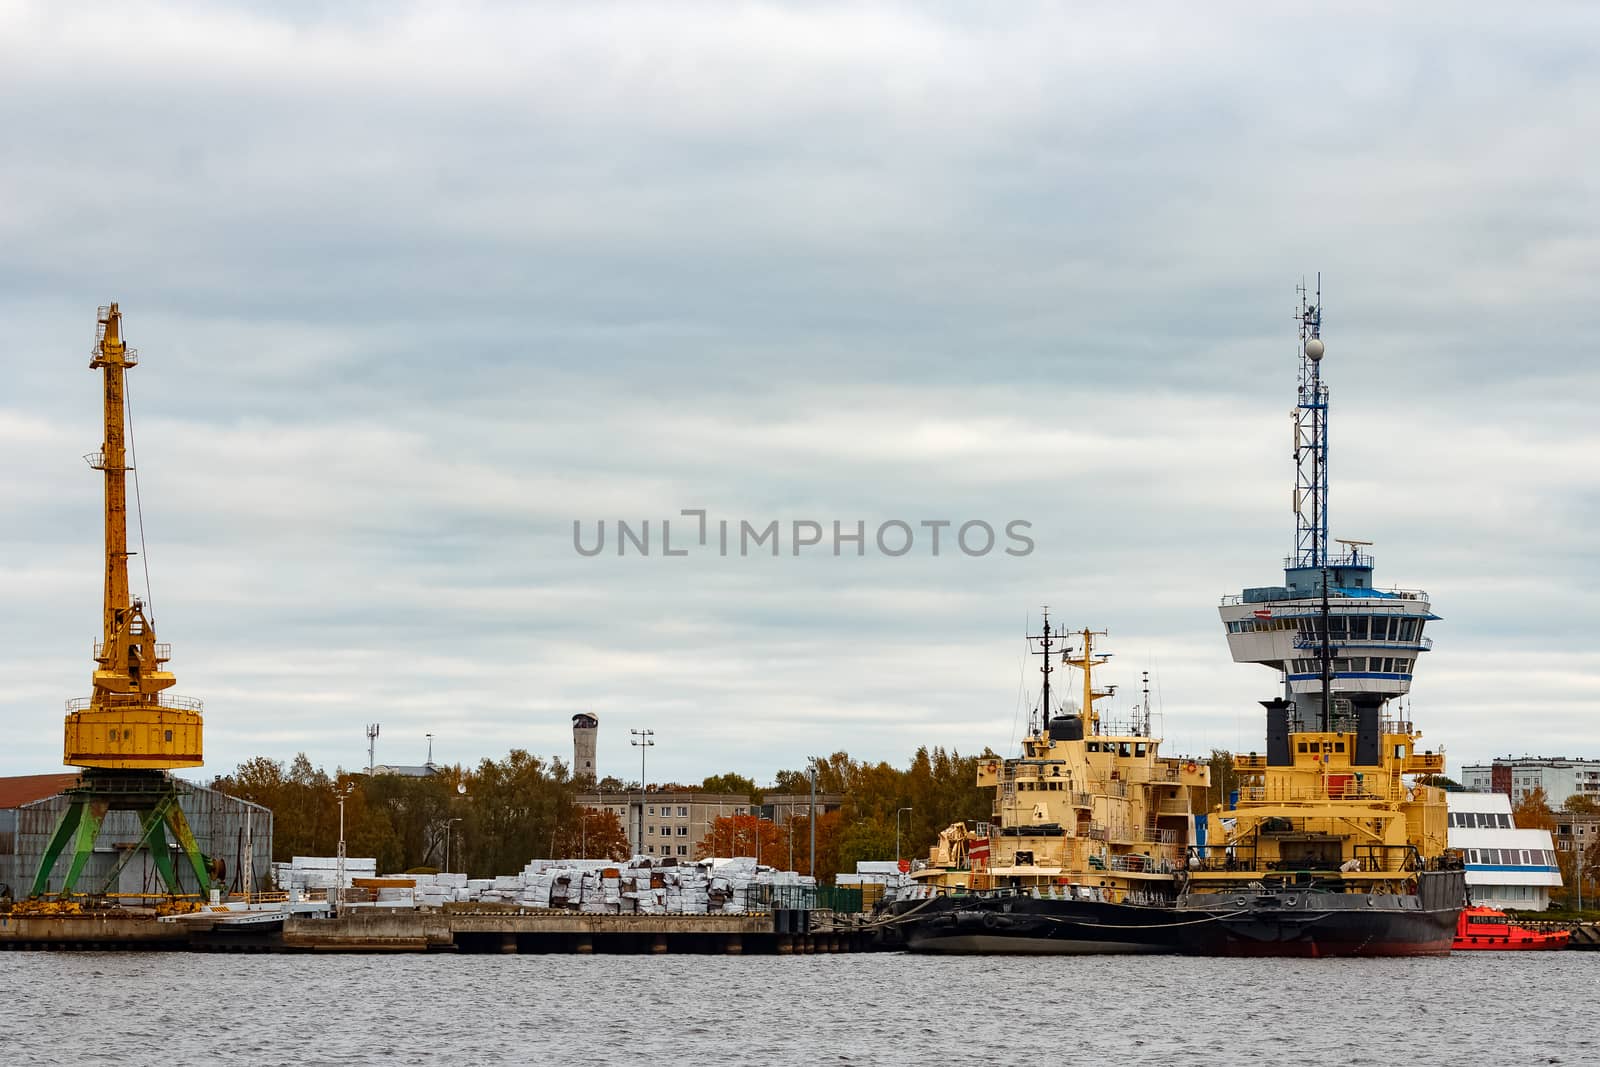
(483, 931)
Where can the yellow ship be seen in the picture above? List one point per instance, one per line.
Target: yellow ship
(1083, 851)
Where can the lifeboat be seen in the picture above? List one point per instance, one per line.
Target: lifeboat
(1481, 928)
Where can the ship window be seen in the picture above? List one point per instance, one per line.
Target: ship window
(1123, 749)
(1302, 746)
(1503, 820)
(1338, 746)
(169, 735)
(1358, 628)
(1138, 750)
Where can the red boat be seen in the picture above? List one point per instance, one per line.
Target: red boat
(1485, 928)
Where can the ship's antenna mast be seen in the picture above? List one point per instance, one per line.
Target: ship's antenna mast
(1144, 725)
(1047, 641)
(1311, 440)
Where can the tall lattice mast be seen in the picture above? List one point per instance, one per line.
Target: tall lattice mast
(1311, 440)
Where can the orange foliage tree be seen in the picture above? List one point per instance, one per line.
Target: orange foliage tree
(595, 834)
(745, 835)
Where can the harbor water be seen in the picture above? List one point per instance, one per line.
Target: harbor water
(150, 1008)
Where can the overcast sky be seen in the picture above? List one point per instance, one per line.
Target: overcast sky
(417, 287)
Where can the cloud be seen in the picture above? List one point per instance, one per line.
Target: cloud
(418, 287)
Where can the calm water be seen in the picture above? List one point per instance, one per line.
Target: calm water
(633, 1011)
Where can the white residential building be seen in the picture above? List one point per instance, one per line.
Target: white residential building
(1559, 777)
(1506, 867)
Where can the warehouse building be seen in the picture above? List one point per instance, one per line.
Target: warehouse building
(226, 828)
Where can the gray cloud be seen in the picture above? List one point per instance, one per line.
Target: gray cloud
(417, 287)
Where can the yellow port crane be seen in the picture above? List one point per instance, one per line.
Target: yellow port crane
(130, 731)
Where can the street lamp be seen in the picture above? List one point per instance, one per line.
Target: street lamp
(247, 883)
(447, 824)
(642, 740)
(812, 818)
(897, 833)
(338, 888)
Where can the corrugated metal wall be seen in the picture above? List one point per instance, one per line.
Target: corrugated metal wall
(220, 823)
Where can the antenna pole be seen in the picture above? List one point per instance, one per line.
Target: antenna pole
(1046, 643)
(1311, 439)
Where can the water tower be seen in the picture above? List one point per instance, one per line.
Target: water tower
(585, 728)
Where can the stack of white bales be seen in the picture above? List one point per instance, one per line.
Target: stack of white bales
(642, 885)
(313, 876)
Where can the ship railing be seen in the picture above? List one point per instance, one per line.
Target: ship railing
(1178, 806)
(127, 701)
(1240, 857)
(1340, 786)
(1098, 832)
(1137, 864)
(1159, 836)
(163, 650)
(1082, 800)
(1397, 726)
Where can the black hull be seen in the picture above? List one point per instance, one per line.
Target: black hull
(1021, 925)
(1306, 922)
(1314, 923)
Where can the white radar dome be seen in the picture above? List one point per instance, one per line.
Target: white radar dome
(1314, 348)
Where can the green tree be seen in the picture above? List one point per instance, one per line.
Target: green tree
(736, 784)
(864, 839)
(1224, 779)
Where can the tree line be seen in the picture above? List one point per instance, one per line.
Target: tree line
(493, 818)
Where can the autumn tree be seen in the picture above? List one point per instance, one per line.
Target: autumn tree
(744, 835)
(595, 833)
(1533, 812)
(1581, 804)
(797, 831)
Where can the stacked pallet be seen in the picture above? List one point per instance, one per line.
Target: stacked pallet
(642, 886)
(313, 876)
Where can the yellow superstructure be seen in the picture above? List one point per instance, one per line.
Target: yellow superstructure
(1087, 805)
(1339, 803)
(129, 721)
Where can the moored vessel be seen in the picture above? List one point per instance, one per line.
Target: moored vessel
(1333, 844)
(1084, 844)
(1489, 929)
